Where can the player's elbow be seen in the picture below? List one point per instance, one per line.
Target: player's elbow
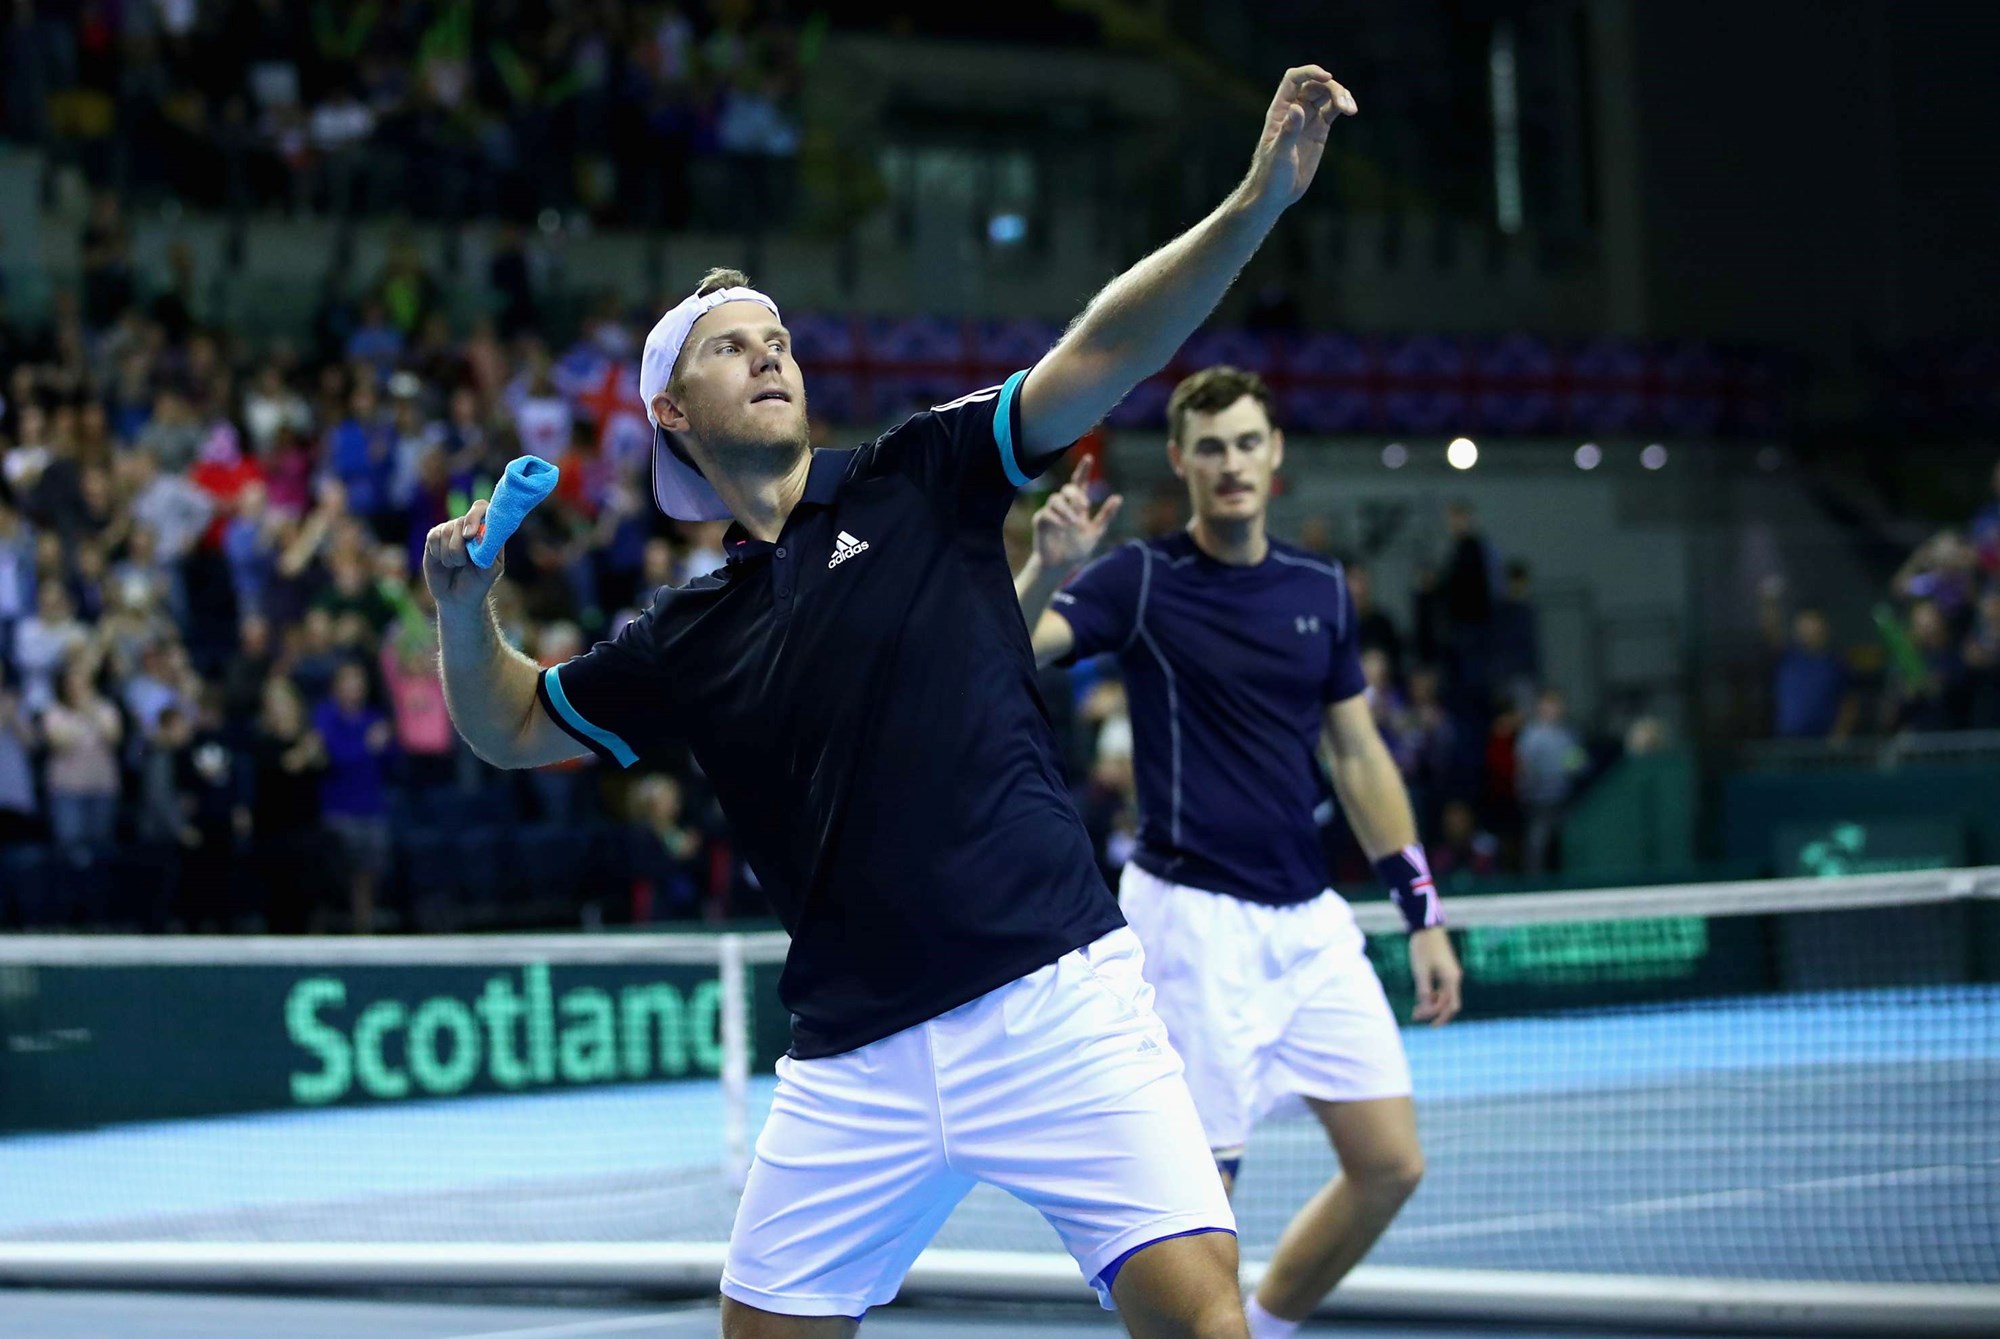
(507, 756)
(1359, 747)
(513, 745)
(493, 747)
(1053, 639)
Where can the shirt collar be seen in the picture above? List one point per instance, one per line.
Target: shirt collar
(824, 475)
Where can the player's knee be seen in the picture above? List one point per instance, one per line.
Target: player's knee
(1223, 1319)
(1392, 1176)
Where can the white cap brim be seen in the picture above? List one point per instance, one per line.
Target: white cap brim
(679, 490)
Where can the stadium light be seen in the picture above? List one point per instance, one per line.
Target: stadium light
(1654, 457)
(1462, 453)
(1395, 455)
(1007, 229)
(1588, 456)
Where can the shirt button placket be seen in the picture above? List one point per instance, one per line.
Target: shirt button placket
(781, 573)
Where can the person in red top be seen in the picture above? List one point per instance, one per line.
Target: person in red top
(222, 471)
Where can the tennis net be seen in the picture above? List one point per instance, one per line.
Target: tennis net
(1713, 1086)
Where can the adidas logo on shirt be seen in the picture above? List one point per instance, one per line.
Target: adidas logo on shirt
(845, 547)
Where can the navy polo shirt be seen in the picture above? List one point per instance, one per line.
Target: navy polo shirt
(861, 695)
(1809, 690)
(1228, 672)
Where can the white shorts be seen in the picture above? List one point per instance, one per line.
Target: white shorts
(1264, 1003)
(1060, 1088)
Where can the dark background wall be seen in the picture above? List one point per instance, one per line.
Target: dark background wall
(1819, 174)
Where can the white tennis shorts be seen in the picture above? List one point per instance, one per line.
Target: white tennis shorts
(1060, 1088)
(1264, 1003)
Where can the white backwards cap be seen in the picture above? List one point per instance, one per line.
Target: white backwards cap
(678, 488)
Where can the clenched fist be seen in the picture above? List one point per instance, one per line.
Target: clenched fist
(455, 581)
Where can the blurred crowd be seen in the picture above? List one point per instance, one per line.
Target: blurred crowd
(219, 704)
(218, 698)
(1488, 751)
(1934, 663)
(433, 108)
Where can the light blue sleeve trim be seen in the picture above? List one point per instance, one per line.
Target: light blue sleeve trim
(1003, 430)
(618, 747)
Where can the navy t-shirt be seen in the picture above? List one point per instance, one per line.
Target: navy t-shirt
(1228, 671)
(1809, 690)
(861, 695)
(353, 784)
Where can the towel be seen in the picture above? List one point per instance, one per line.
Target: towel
(527, 481)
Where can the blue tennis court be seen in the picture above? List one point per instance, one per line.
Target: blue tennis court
(1833, 1136)
(91, 1315)
(1841, 1136)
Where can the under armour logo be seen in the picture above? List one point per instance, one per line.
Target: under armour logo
(1307, 624)
(845, 547)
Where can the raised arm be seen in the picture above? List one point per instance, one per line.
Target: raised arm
(488, 686)
(1131, 328)
(1066, 533)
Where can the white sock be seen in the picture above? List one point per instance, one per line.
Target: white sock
(1264, 1325)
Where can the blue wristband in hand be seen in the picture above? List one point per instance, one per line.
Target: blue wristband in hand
(521, 489)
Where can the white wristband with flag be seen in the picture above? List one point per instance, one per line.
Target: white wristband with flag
(1407, 876)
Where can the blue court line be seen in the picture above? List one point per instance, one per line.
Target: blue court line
(304, 1157)
(170, 1167)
